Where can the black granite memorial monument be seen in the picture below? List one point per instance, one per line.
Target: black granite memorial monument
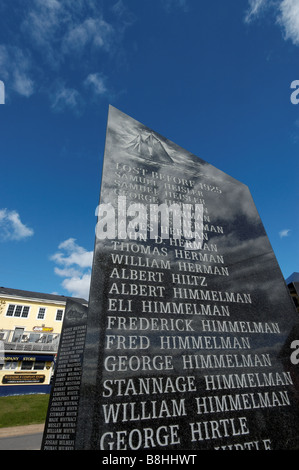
(191, 336)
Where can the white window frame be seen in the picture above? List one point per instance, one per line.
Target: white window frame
(44, 314)
(14, 310)
(58, 310)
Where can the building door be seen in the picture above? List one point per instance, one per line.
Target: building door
(18, 333)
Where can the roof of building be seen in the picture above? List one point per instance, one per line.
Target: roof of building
(293, 278)
(38, 295)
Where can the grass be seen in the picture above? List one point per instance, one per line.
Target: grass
(23, 410)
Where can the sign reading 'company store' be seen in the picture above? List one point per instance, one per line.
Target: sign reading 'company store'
(191, 335)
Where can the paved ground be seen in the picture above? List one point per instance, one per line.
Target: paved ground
(21, 437)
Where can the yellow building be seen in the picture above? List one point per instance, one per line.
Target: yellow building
(30, 327)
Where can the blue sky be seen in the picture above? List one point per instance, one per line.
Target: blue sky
(214, 77)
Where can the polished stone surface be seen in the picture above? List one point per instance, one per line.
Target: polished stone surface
(61, 421)
(186, 348)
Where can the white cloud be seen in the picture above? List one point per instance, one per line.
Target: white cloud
(65, 98)
(289, 19)
(54, 40)
(67, 272)
(256, 7)
(72, 253)
(11, 226)
(97, 82)
(286, 13)
(78, 286)
(41, 25)
(23, 84)
(92, 33)
(75, 266)
(284, 233)
(16, 69)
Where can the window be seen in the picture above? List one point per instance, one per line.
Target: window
(41, 313)
(10, 310)
(59, 315)
(34, 337)
(39, 365)
(18, 335)
(27, 365)
(10, 365)
(17, 311)
(35, 365)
